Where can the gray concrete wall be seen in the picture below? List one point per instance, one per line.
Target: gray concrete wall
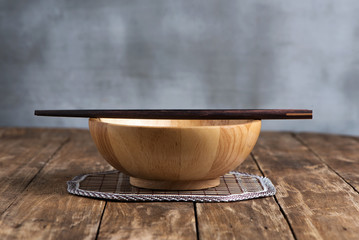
(181, 54)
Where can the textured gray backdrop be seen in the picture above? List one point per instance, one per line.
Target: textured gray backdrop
(181, 54)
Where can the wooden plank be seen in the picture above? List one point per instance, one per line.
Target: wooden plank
(341, 153)
(45, 210)
(316, 201)
(253, 219)
(23, 152)
(151, 220)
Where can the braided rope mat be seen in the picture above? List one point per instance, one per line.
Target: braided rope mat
(114, 185)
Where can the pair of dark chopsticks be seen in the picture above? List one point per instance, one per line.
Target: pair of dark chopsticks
(183, 113)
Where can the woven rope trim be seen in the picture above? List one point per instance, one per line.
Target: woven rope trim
(268, 190)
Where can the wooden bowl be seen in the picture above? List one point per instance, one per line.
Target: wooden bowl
(174, 154)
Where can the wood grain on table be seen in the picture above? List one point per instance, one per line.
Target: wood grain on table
(315, 176)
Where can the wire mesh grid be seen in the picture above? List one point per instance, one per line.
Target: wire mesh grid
(115, 185)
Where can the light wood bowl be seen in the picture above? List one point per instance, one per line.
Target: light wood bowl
(174, 154)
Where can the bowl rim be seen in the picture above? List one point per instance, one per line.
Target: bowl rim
(240, 122)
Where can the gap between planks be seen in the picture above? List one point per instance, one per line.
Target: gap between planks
(275, 199)
(100, 222)
(196, 219)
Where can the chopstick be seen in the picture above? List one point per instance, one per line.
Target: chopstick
(182, 113)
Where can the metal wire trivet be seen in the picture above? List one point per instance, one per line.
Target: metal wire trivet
(115, 185)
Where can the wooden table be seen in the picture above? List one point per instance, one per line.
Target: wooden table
(316, 177)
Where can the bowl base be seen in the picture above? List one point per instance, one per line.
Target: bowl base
(174, 185)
